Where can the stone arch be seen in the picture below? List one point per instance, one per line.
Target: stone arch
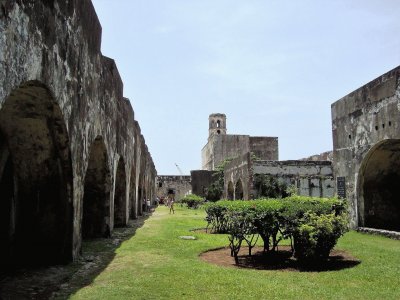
(140, 194)
(239, 190)
(132, 194)
(120, 203)
(379, 187)
(96, 197)
(36, 182)
(231, 191)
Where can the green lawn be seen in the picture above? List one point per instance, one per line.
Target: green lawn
(156, 264)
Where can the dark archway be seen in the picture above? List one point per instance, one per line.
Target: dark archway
(140, 195)
(239, 190)
(379, 187)
(36, 206)
(120, 204)
(96, 197)
(132, 195)
(231, 191)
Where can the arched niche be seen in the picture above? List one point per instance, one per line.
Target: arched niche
(239, 190)
(120, 204)
(231, 191)
(379, 188)
(132, 195)
(96, 197)
(36, 205)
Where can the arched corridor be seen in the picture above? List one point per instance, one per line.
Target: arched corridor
(239, 190)
(35, 179)
(120, 203)
(231, 191)
(96, 197)
(379, 188)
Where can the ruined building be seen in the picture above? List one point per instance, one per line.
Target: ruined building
(179, 186)
(309, 178)
(73, 161)
(366, 151)
(256, 155)
(221, 145)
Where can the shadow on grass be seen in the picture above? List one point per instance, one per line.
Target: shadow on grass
(61, 281)
(281, 260)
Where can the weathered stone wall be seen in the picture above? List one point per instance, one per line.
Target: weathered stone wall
(238, 178)
(265, 148)
(311, 178)
(201, 180)
(365, 127)
(325, 156)
(180, 185)
(221, 147)
(69, 99)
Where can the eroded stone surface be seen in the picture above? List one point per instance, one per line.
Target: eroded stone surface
(58, 96)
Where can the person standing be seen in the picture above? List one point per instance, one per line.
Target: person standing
(148, 204)
(171, 201)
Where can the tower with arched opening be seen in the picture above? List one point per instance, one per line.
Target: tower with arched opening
(217, 124)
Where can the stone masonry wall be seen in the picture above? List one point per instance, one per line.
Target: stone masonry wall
(52, 48)
(180, 185)
(365, 129)
(311, 178)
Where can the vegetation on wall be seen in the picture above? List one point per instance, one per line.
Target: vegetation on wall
(216, 189)
(270, 187)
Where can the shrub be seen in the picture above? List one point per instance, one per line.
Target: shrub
(216, 217)
(312, 224)
(192, 201)
(317, 235)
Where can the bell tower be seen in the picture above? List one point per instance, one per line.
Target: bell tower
(217, 124)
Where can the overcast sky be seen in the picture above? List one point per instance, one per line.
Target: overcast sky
(274, 67)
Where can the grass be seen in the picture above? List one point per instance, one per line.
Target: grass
(157, 264)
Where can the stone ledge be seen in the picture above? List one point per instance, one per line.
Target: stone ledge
(390, 234)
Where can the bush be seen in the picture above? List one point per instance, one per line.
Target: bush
(312, 224)
(192, 201)
(317, 235)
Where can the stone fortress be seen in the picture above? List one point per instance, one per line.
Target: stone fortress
(364, 166)
(259, 155)
(73, 161)
(74, 164)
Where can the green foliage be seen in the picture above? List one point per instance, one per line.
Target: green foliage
(216, 189)
(317, 235)
(155, 264)
(314, 224)
(216, 217)
(192, 201)
(291, 190)
(269, 187)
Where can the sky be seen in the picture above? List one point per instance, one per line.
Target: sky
(274, 67)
